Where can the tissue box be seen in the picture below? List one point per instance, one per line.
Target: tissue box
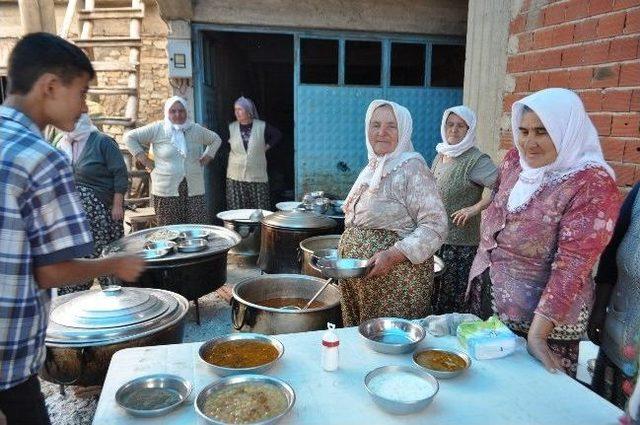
(490, 339)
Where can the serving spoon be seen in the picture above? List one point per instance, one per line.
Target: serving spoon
(308, 304)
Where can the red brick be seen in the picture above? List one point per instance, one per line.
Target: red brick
(592, 53)
(559, 79)
(539, 81)
(616, 100)
(632, 151)
(576, 9)
(611, 25)
(535, 19)
(598, 7)
(525, 42)
(544, 60)
(563, 35)
(612, 148)
(517, 24)
(515, 64)
(625, 4)
(586, 30)
(632, 24)
(625, 125)
(543, 38)
(634, 104)
(554, 14)
(592, 100)
(630, 74)
(509, 99)
(602, 123)
(580, 78)
(606, 76)
(624, 49)
(522, 83)
(625, 173)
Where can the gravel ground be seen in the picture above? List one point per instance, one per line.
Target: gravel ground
(78, 405)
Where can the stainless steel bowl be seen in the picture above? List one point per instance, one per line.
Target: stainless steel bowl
(193, 245)
(443, 373)
(226, 371)
(398, 407)
(391, 335)
(179, 386)
(195, 234)
(340, 268)
(157, 249)
(222, 383)
(326, 254)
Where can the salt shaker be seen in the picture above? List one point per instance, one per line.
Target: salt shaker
(330, 343)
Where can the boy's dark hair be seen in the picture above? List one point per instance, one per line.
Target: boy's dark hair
(39, 53)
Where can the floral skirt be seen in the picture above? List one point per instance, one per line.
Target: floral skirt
(403, 292)
(450, 287)
(563, 343)
(181, 209)
(103, 229)
(247, 195)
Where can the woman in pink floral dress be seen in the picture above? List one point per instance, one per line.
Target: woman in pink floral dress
(554, 207)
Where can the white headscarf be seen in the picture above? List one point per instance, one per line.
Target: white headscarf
(176, 131)
(380, 166)
(72, 143)
(573, 134)
(469, 139)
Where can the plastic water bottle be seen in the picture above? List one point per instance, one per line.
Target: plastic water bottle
(330, 344)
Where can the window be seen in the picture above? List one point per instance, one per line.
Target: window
(407, 64)
(318, 61)
(362, 62)
(3, 88)
(447, 65)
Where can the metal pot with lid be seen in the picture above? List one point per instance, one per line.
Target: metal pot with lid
(86, 328)
(245, 222)
(281, 235)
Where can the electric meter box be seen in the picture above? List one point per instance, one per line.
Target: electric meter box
(179, 52)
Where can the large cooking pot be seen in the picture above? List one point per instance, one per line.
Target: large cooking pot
(249, 230)
(248, 315)
(86, 328)
(310, 245)
(281, 235)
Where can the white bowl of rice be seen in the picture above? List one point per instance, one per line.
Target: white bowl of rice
(401, 389)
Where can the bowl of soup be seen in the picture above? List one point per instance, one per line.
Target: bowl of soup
(241, 353)
(442, 363)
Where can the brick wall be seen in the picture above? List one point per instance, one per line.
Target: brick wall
(592, 47)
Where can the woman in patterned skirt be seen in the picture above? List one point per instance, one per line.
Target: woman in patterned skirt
(249, 139)
(461, 172)
(101, 179)
(553, 211)
(395, 218)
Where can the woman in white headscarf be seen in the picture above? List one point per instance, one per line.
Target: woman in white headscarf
(181, 150)
(249, 138)
(395, 218)
(100, 174)
(462, 172)
(553, 211)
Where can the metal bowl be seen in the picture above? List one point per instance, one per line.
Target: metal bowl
(226, 371)
(229, 381)
(157, 249)
(398, 407)
(326, 254)
(195, 234)
(287, 206)
(193, 245)
(177, 385)
(391, 335)
(340, 268)
(162, 234)
(444, 373)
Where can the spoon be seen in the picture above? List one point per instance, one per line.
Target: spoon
(308, 304)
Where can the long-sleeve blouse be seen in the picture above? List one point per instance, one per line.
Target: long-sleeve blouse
(541, 256)
(408, 203)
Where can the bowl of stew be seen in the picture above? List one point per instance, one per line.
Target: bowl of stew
(238, 353)
(442, 363)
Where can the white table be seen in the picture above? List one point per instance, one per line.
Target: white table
(512, 390)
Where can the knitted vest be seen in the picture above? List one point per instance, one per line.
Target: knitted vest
(458, 191)
(247, 165)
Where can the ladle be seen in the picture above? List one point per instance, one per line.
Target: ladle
(308, 304)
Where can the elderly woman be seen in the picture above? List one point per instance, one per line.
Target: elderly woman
(615, 320)
(250, 139)
(394, 217)
(462, 172)
(177, 176)
(101, 178)
(552, 214)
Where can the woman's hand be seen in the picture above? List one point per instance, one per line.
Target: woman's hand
(384, 261)
(461, 216)
(204, 160)
(117, 210)
(143, 159)
(128, 267)
(537, 346)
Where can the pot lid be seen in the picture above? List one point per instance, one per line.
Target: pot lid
(112, 314)
(241, 215)
(299, 219)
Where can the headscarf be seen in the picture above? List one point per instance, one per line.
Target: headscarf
(248, 105)
(469, 139)
(380, 166)
(573, 134)
(73, 142)
(176, 131)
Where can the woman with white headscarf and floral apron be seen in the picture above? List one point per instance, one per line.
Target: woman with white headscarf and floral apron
(181, 150)
(249, 139)
(394, 217)
(553, 211)
(462, 172)
(100, 174)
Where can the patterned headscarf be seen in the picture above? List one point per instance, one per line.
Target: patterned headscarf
(248, 105)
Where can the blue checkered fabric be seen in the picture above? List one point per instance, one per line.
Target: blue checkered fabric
(41, 223)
